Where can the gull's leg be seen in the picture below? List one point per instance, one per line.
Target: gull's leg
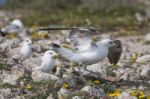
(80, 74)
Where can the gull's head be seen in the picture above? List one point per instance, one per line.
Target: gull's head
(27, 41)
(52, 54)
(108, 42)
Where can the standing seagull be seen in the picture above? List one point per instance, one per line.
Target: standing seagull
(95, 53)
(21, 53)
(48, 62)
(81, 39)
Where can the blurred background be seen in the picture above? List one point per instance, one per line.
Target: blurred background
(122, 15)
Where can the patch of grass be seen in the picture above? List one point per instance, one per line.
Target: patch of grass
(121, 16)
(42, 89)
(83, 95)
(5, 66)
(25, 78)
(7, 85)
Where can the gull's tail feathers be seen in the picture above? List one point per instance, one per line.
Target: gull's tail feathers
(65, 52)
(55, 45)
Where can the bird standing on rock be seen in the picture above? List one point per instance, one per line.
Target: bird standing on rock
(21, 53)
(48, 62)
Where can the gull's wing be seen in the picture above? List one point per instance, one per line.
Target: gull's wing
(115, 52)
(15, 52)
(33, 62)
(10, 28)
(81, 38)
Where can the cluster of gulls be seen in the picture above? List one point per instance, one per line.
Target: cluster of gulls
(78, 47)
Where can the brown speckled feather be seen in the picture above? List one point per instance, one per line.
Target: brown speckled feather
(115, 52)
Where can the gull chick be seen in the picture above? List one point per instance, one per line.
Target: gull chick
(21, 53)
(48, 61)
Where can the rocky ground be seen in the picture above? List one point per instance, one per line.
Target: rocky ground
(129, 79)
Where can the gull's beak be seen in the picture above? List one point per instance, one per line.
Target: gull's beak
(57, 55)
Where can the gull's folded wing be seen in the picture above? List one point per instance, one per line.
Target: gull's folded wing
(11, 28)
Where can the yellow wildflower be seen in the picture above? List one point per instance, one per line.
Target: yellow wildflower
(29, 87)
(133, 58)
(43, 35)
(134, 93)
(116, 93)
(138, 94)
(141, 95)
(97, 82)
(66, 85)
(35, 36)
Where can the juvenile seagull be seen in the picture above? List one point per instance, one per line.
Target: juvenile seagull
(48, 62)
(14, 27)
(21, 53)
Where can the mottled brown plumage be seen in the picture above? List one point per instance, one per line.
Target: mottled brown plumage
(115, 52)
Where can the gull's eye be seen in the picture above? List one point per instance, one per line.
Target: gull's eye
(51, 53)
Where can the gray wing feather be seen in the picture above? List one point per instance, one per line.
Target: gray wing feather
(11, 28)
(14, 52)
(33, 62)
(81, 38)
